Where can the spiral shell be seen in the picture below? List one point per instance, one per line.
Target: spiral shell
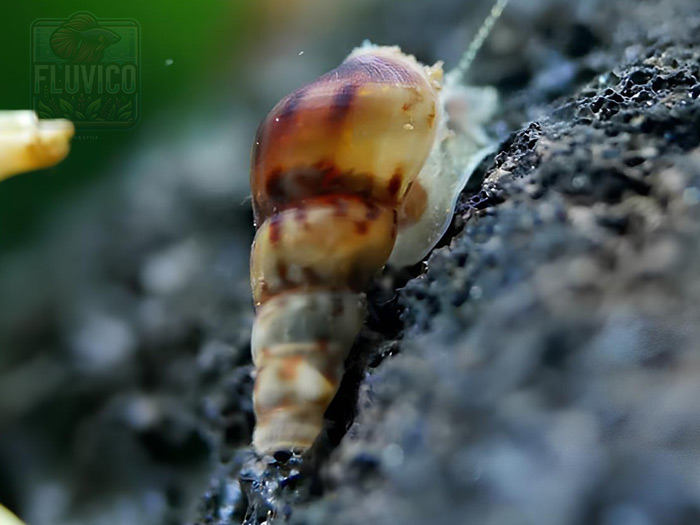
(332, 163)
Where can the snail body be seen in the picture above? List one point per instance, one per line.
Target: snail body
(341, 168)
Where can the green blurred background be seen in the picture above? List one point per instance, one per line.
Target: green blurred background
(201, 39)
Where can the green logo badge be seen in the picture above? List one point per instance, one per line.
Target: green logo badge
(87, 70)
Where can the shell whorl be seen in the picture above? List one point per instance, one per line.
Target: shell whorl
(299, 343)
(363, 129)
(331, 165)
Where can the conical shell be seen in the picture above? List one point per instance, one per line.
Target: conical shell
(331, 165)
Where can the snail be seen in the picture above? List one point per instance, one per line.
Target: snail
(27, 143)
(360, 167)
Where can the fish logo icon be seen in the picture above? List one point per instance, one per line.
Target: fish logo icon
(87, 69)
(81, 40)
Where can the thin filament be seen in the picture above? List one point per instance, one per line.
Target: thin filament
(458, 73)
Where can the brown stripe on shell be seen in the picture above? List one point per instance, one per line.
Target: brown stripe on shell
(276, 227)
(290, 104)
(290, 365)
(282, 271)
(327, 175)
(373, 211)
(362, 227)
(342, 102)
(285, 188)
(395, 182)
(274, 185)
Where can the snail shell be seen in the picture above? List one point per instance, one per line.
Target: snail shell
(332, 163)
(340, 167)
(363, 129)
